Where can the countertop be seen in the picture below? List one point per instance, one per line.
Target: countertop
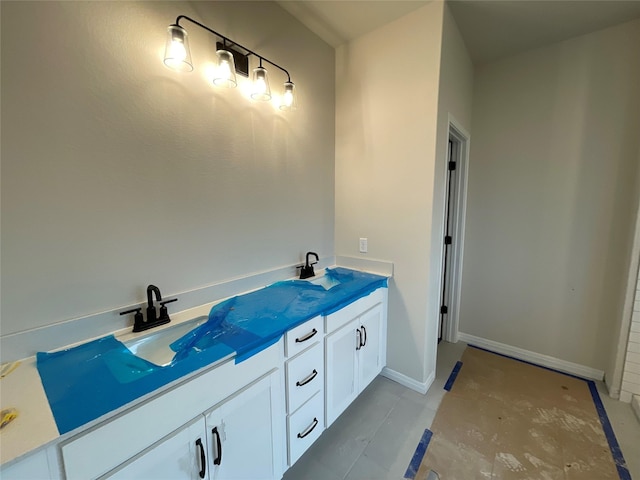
(61, 393)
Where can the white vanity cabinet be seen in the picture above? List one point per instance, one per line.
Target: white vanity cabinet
(245, 401)
(355, 350)
(244, 436)
(231, 421)
(236, 440)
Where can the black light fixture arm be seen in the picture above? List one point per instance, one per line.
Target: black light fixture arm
(227, 39)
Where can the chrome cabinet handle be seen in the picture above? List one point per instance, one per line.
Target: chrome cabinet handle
(309, 429)
(308, 379)
(203, 459)
(218, 459)
(307, 336)
(358, 339)
(364, 330)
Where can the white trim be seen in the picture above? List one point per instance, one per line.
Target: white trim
(456, 130)
(533, 357)
(402, 379)
(614, 383)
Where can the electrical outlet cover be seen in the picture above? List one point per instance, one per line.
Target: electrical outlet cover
(364, 245)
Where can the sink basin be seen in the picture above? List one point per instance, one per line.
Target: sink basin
(324, 281)
(154, 347)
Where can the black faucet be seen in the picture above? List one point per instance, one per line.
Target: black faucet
(153, 320)
(151, 310)
(307, 270)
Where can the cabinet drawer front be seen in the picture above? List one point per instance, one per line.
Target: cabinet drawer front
(305, 376)
(305, 426)
(343, 316)
(303, 336)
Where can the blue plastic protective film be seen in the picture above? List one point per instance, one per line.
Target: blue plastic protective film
(85, 382)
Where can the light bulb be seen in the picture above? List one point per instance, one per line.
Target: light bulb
(177, 51)
(225, 73)
(224, 70)
(288, 97)
(260, 89)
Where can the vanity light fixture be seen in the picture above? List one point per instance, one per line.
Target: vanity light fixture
(231, 60)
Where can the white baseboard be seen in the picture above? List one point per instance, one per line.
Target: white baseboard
(533, 357)
(402, 379)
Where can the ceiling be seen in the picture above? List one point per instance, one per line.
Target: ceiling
(491, 29)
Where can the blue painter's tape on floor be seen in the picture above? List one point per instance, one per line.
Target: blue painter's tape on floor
(416, 460)
(453, 376)
(616, 452)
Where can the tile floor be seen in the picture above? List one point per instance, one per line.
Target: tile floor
(374, 439)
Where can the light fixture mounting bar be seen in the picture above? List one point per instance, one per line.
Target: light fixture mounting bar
(251, 52)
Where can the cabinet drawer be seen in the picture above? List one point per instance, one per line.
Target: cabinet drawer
(353, 310)
(305, 376)
(305, 426)
(303, 336)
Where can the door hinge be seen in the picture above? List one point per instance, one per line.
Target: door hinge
(444, 309)
(448, 239)
(452, 165)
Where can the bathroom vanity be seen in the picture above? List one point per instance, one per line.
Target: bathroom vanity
(249, 417)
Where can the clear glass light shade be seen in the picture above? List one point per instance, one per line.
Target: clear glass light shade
(288, 97)
(225, 72)
(260, 89)
(176, 52)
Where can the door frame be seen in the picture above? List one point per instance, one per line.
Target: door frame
(613, 376)
(462, 138)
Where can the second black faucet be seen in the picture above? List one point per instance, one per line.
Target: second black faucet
(306, 271)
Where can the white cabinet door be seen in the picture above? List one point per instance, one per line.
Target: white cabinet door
(370, 354)
(341, 369)
(39, 465)
(243, 433)
(179, 456)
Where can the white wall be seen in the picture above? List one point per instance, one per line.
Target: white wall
(118, 172)
(550, 216)
(386, 119)
(455, 99)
